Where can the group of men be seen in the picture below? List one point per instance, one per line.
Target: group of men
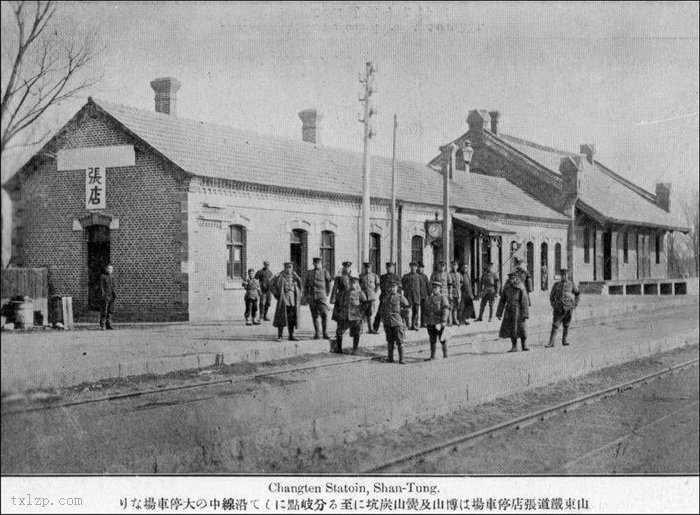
(404, 303)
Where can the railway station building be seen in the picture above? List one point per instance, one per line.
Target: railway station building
(183, 208)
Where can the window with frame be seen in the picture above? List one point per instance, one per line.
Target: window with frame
(657, 248)
(235, 252)
(625, 246)
(375, 251)
(417, 249)
(586, 245)
(327, 251)
(557, 259)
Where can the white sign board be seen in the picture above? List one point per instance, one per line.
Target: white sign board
(81, 158)
(95, 187)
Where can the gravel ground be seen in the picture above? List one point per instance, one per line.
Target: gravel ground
(367, 452)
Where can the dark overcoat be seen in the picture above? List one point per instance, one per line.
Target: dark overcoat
(284, 287)
(513, 306)
(341, 285)
(468, 310)
(411, 285)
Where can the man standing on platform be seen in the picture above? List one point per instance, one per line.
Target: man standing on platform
(455, 289)
(389, 277)
(317, 286)
(437, 311)
(348, 313)
(390, 310)
(467, 308)
(369, 283)
(264, 277)
(424, 291)
(514, 308)
(108, 294)
(488, 287)
(286, 288)
(341, 284)
(440, 275)
(564, 299)
(525, 277)
(411, 286)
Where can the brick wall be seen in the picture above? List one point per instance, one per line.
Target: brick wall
(144, 247)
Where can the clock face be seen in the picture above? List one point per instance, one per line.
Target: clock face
(435, 230)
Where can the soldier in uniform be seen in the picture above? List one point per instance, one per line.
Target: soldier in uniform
(348, 313)
(437, 312)
(515, 310)
(389, 277)
(411, 286)
(341, 284)
(440, 274)
(317, 286)
(525, 277)
(286, 287)
(369, 282)
(455, 290)
(488, 286)
(390, 310)
(564, 299)
(108, 294)
(264, 277)
(252, 295)
(424, 291)
(467, 310)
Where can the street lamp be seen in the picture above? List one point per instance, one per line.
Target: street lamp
(459, 159)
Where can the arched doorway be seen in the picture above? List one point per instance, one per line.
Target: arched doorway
(298, 251)
(530, 254)
(544, 267)
(98, 257)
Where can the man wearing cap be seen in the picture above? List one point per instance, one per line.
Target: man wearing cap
(437, 312)
(488, 286)
(348, 313)
(341, 285)
(424, 291)
(390, 310)
(455, 290)
(440, 275)
(286, 287)
(514, 308)
(264, 277)
(525, 277)
(411, 286)
(467, 307)
(369, 283)
(384, 281)
(564, 299)
(317, 286)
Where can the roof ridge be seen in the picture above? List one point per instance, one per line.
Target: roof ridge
(536, 145)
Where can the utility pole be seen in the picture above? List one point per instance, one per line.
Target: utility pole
(393, 198)
(369, 111)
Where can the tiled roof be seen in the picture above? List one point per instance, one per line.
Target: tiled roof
(222, 152)
(602, 191)
(489, 226)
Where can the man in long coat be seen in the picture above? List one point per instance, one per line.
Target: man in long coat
(264, 277)
(515, 309)
(411, 286)
(369, 283)
(108, 294)
(424, 291)
(317, 286)
(564, 299)
(348, 313)
(455, 290)
(525, 277)
(286, 287)
(467, 310)
(341, 284)
(384, 281)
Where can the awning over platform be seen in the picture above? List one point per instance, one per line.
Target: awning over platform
(482, 225)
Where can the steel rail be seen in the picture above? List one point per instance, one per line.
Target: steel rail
(529, 419)
(280, 371)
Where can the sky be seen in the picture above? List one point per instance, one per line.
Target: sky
(623, 76)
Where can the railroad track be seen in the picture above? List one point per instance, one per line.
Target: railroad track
(397, 464)
(458, 342)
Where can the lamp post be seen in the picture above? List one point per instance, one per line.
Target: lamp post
(460, 158)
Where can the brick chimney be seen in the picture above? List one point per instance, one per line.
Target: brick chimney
(166, 94)
(478, 120)
(663, 195)
(588, 150)
(495, 115)
(309, 124)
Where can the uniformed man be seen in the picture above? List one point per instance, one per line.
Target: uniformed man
(369, 282)
(386, 278)
(390, 310)
(488, 287)
(317, 286)
(411, 286)
(108, 294)
(424, 291)
(264, 277)
(455, 290)
(514, 308)
(349, 313)
(525, 277)
(437, 312)
(341, 284)
(440, 274)
(286, 287)
(252, 295)
(467, 307)
(564, 299)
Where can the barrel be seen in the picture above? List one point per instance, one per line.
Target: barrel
(24, 312)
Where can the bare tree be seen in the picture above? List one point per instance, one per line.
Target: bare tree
(40, 68)
(691, 211)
